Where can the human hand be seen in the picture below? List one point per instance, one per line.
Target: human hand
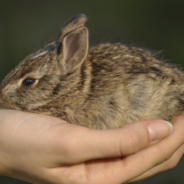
(43, 149)
(170, 149)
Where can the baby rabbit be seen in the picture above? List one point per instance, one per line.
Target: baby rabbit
(100, 88)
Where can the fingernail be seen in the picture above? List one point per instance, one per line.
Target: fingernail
(159, 129)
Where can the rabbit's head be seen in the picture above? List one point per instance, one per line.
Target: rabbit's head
(49, 72)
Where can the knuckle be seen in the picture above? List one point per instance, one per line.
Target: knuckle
(173, 162)
(167, 157)
(132, 141)
(170, 164)
(163, 154)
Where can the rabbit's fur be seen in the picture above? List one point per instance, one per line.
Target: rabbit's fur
(105, 87)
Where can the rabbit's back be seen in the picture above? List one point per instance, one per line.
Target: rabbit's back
(129, 84)
(120, 84)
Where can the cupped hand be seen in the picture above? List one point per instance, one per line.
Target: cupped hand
(43, 149)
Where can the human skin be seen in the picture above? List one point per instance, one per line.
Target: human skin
(43, 149)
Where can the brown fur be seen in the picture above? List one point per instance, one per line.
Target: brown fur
(105, 87)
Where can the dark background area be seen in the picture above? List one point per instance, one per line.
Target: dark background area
(27, 25)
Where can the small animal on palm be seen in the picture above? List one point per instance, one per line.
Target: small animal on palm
(101, 87)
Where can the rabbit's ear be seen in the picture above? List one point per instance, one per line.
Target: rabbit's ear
(73, 24)
(73, 41)
(75, 48)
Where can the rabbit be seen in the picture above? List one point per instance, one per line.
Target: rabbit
(103, 87)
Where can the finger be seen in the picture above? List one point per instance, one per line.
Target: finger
(123, 170)
(169, 164)
(101, 171)
(113, 170)
(155, 154)
(81, 144)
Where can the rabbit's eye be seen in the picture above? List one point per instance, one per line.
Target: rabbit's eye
(28, 82)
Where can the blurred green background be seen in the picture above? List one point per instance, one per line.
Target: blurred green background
(27, 25)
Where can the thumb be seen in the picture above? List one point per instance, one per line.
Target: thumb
(127, 140)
